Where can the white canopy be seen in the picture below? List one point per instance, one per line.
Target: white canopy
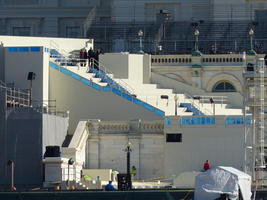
(211, 184)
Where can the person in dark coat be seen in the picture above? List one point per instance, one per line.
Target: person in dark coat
(90, 55)
(84, 57)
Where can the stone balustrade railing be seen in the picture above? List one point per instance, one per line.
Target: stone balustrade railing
(174, 60)
(138, 126)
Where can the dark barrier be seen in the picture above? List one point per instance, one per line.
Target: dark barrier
(98, 195)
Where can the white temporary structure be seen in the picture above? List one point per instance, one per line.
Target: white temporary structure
(211, 184)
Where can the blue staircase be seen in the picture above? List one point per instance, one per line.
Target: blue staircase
(106, 79)
(191, 108)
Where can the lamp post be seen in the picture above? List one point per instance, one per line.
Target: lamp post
(128, 151)
(140, 34)
(175, 101)
(196, 34)
(12, 164)
(251, 34)
(70, 162)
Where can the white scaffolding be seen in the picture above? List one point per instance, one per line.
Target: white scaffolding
(254, 95)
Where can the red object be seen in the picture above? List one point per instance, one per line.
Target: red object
(206, 166)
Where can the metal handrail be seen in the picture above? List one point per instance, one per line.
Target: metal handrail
(109, 72)
(2, 83)
(64, 59)
(190, 98)
(18, 96)
(45, 107)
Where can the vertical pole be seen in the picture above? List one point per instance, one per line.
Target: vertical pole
(128, 166)
(141, 46)
(251, 43)
(128, 161)
(175, 101)
(196, 43)
(12, 175)
(30, 92)
(68, 182)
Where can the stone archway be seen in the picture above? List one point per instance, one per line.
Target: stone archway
(224, 77)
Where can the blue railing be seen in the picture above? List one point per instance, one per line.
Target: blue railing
(198, 121)
(167, 121)
(238, 120)
(191, 108)
(108, 89)
(231, 120)
(105, 78)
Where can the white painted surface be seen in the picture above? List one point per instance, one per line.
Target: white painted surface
(127, 66)
(19, 64)
(84, 102)
(66, 44)
(220, 144)
(56, 171)
(106, 151)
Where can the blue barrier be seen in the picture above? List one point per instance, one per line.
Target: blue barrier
(75, 76)
(96, 86)
(86, 82)
(191, 108)
(24, 49)
(127, 96)
(137, 101)
(238, 120)
(198, 121)
(35, 49)
(148, 107)
(167, 121)
(116, 91)
(159, 112)
(12, 49)
(65, 71)
(106, 89)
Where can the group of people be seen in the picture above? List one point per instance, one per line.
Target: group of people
(90, 55)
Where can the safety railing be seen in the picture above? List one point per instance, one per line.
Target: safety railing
(17, 97)
(198, 106)
(93, 65)
(48, 107)
(106, 74)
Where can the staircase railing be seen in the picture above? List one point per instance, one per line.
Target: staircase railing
(106, 72)
(201, 108)
(94, 64)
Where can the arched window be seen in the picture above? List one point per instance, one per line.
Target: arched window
(223, 86)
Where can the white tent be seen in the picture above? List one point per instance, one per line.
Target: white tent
(211, 184)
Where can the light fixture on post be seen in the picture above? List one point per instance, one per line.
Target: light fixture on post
(31, 77)
(70, 162)
(141, 34)
(196, 34)
(128, 150)
(251, 50)
(251, 34)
